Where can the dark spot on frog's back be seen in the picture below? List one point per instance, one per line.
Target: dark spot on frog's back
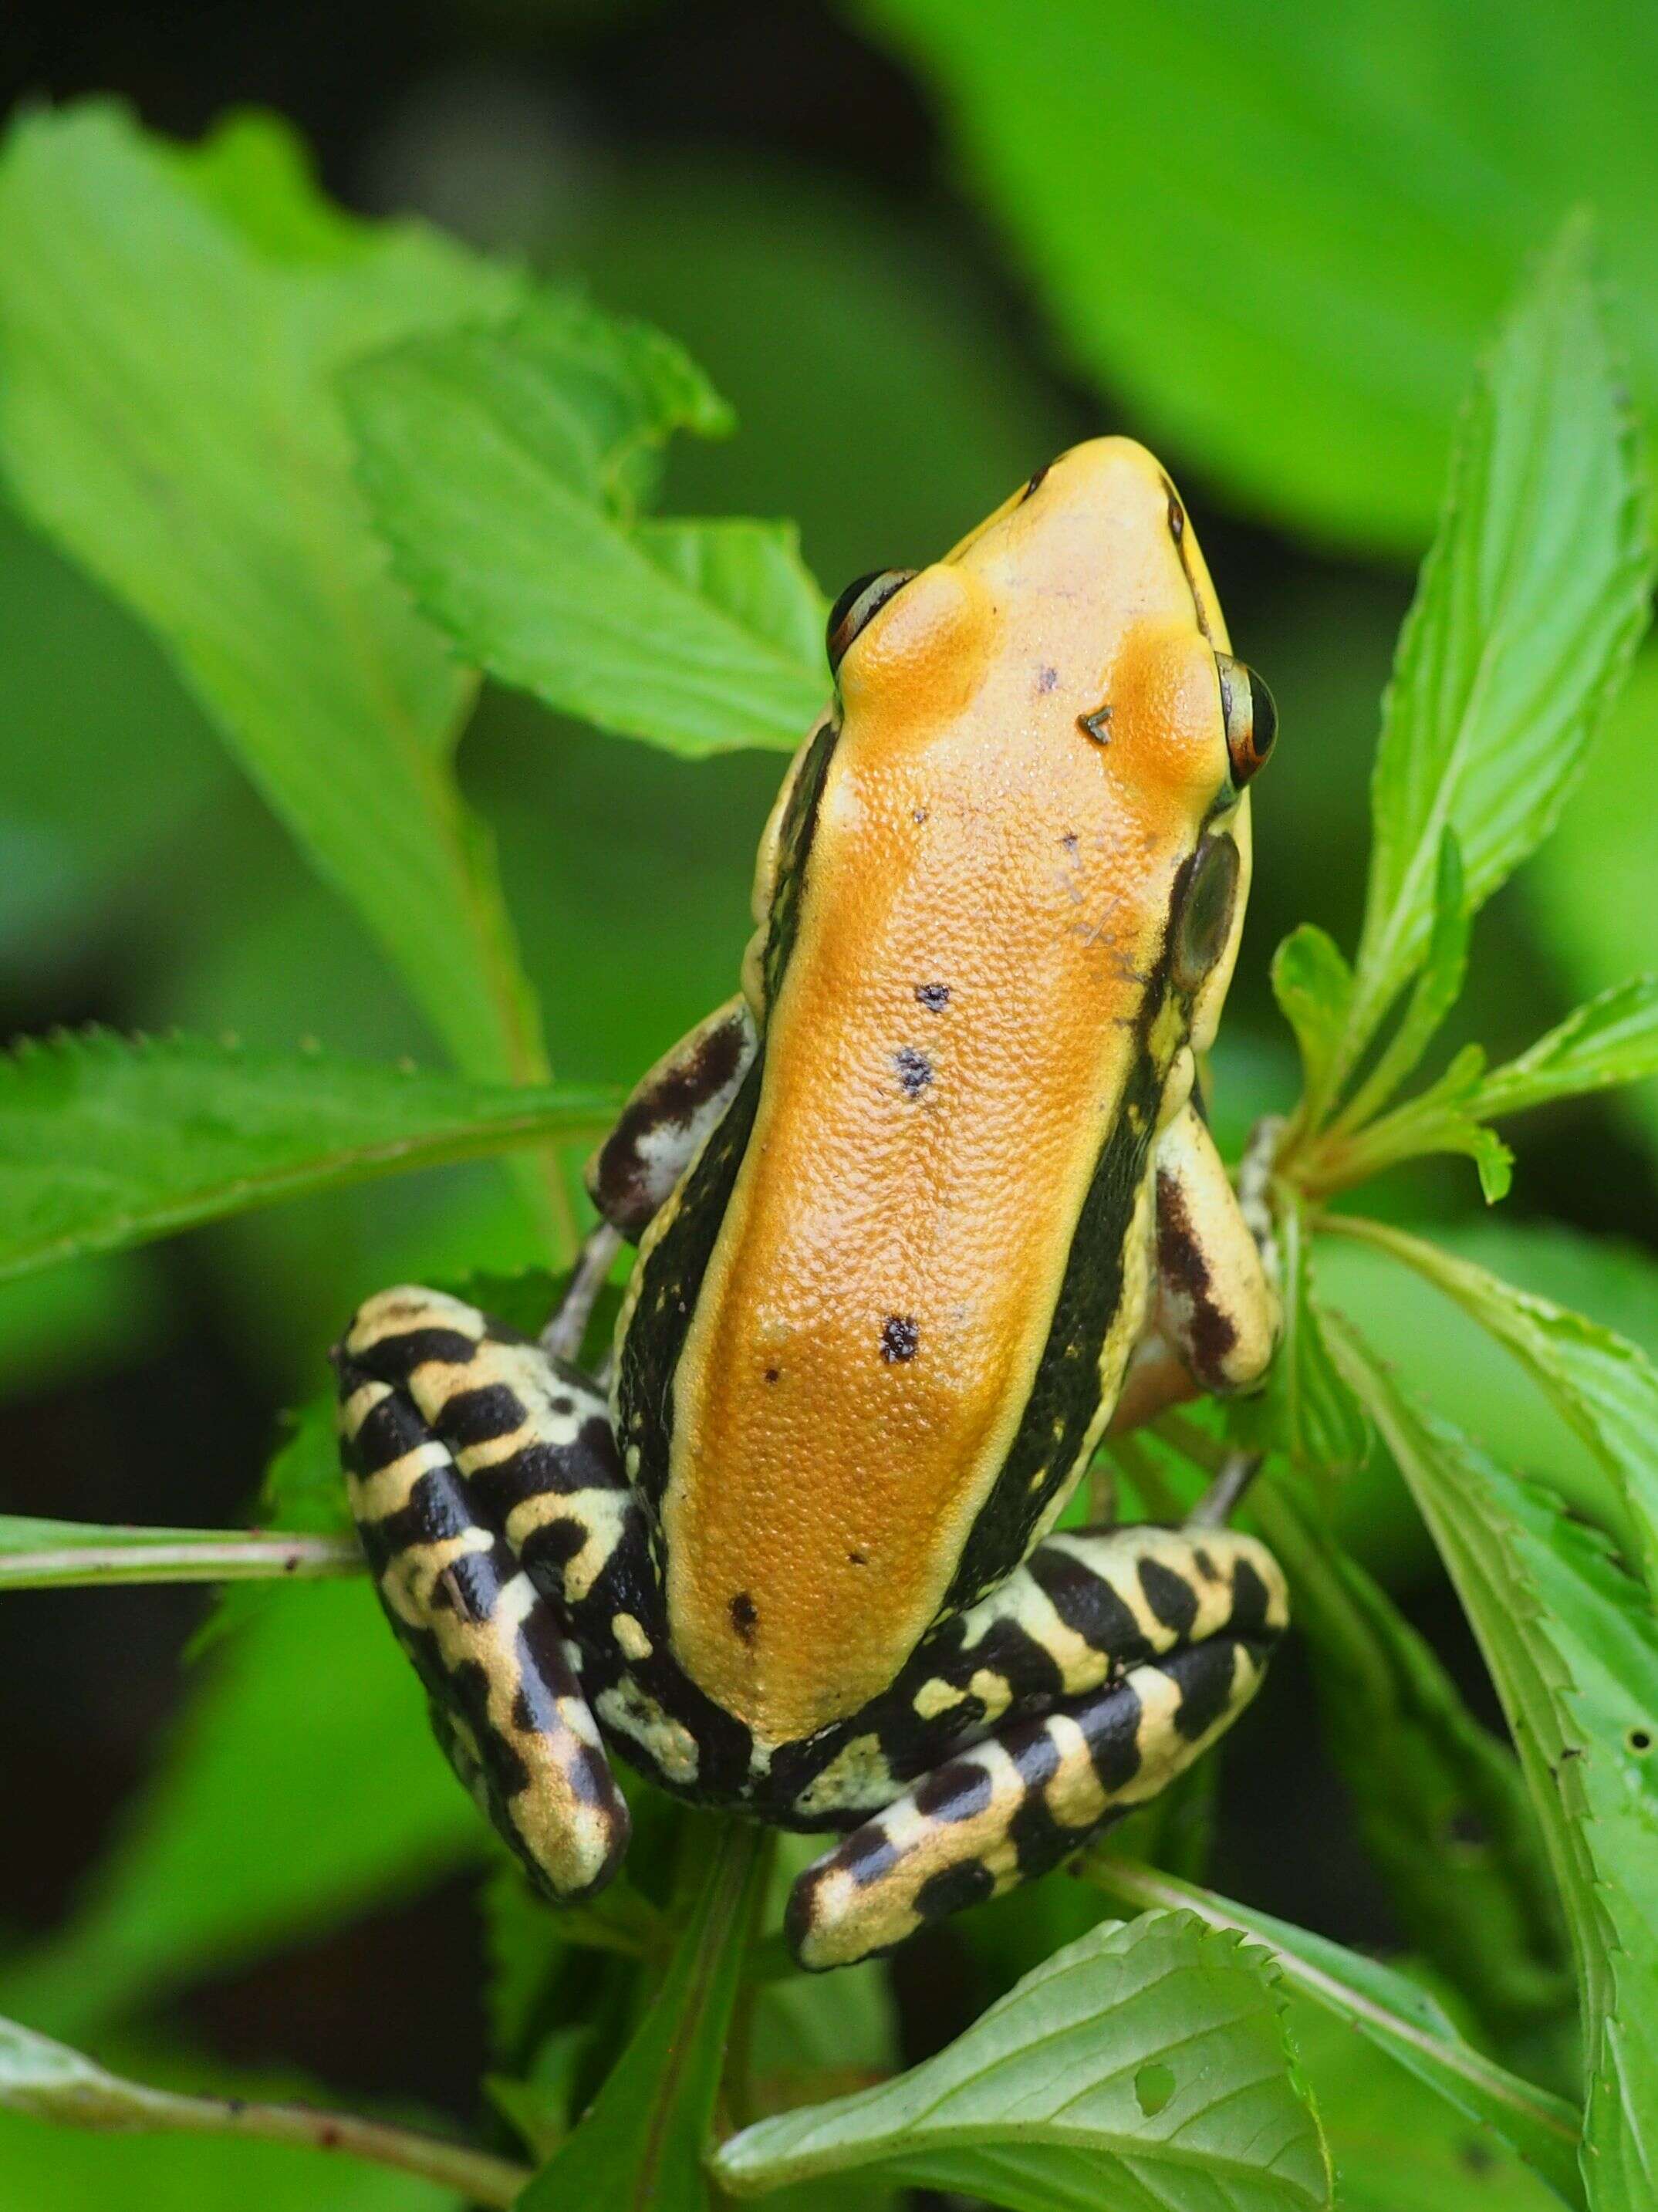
(915, 1069)
(744, 1616)
(901, 1338)
(935, 997)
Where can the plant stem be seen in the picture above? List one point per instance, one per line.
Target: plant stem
(51, 2083)
(180, 1556)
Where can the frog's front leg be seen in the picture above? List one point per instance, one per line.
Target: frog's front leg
(1215, 1315)
(669, 1112)
(485, 1490)
(1105, 1665)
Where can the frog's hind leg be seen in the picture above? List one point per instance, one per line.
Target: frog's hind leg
(483, 1481)
(1152, 1641)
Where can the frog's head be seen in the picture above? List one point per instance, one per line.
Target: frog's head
(1081, 612)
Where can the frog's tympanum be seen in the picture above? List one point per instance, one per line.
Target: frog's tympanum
(919, 1212)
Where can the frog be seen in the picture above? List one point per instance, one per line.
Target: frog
(922, 1214)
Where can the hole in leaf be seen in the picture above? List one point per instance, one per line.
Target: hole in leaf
(1154, 2085)
(1639, 1740)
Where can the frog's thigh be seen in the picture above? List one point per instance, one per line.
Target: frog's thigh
(1216, 1309)
(671, 1110)
(1170, 1634)
(466, 1455)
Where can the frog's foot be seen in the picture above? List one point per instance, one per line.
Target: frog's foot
(1177, 1630)
(466, 1455)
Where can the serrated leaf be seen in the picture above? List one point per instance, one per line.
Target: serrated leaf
(1612, 1040)
(1440, 1805)
(1394, 2015)
(1604, 1387)
(108, 1141)
(1307, 1410)
(1573, 1652)
(1314, 987)
(639, 2145)
(1530, 604)
(1437, 989)
(493, 472)
(1141, 2066)
(166, 417)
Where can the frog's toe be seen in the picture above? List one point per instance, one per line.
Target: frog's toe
(1016, 1804)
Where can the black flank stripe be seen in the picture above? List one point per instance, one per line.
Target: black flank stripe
(1169, 1596)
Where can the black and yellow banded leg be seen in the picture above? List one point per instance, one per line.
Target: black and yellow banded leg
(1157, 1640)
(466, 1455)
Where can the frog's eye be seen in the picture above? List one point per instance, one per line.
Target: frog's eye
(862, 600)
(1250, 716)
(1204, 922)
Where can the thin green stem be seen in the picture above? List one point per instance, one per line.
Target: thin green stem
(178, 1555)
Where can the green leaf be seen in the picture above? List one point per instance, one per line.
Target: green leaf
(1530, 604)
(43, 1554)
(301, 1786)
(1307, 1410)
(639, 2147)
(50, 2082)
(1392, 2014)
(1612, 1040)
(499, 466)
(107, 1141)
(166, 417)
(1604, 1388)
(1397, 2145)
(1314, 987)
(1573, 1652)
(1141, 2066)
(1363, 262)
(1437, 989)
(1440, 1805)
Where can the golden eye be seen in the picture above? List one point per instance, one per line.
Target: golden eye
(862, 600)
(1251, 718)
(1205, 899)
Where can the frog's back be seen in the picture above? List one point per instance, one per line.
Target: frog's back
(916, 1254)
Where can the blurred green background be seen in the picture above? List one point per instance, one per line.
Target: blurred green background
(921, 248)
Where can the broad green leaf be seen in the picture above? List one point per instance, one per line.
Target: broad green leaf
(1437, 1119)
(1606, 1387)
(302, 1784)
(639, 2145)
(1302, 324)
(47, 2081)
(1440, 1805)
(166, 417)
(107, 1141)
(1437, 989)
(1573, 1652)
(1142, 2066)
(1530, 603)
(39, 1554)
(1397, 2145)
(1391, 2013)
(1314, 987)
(499, 466)
(1590, 887)
(1612, 1040)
